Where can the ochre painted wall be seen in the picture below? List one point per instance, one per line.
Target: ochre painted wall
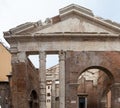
(5, 63)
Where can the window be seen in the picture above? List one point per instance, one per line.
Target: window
(48, 94)
(82, 102)
(57, 99)
(48, 87)
(48, 100)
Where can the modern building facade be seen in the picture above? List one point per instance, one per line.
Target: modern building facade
(52, 87)
(5, 71)
(5, 63)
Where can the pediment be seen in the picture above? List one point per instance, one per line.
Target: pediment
(76, 24)
(72, 18)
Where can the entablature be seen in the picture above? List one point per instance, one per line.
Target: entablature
(63, 35)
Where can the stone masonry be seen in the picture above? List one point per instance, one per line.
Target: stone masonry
(82, 42)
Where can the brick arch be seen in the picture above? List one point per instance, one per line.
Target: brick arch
(105, 86)
(34, 94)
(108, 73)
(108, 61)
(33, 101)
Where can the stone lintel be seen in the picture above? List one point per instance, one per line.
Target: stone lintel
(74, 84)
(61, 35)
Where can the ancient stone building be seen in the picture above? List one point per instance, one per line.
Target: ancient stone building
(83, 42)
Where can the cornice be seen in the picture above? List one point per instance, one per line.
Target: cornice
(92, 18)
(30, 27)
(20, 28)
(76, 7)
(62, 35)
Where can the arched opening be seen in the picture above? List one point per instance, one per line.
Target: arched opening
(103, 69)
(94, 87)
(33, 102)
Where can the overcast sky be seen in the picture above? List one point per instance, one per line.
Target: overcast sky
(15, 12)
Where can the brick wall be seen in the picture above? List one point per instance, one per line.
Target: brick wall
(77, 63)
(24, 80)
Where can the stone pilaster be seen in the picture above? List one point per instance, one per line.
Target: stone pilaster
(42, 79)
(115, 93)
(62, 79)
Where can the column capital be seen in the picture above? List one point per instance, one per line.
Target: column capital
(42, 55)
(61, 55)
(14, 58)
(22, 56)
(14, 50)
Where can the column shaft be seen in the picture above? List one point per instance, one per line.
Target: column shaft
(42, 79)
(62, 79)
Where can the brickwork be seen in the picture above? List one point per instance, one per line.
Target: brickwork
(83, 41)
(24, 80)
(79, 62)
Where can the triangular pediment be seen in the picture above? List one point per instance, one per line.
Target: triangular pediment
(76, 24)
(72, 18)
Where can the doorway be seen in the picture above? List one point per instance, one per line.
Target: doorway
(82, 102)
(33, 102)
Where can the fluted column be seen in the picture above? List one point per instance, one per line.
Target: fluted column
(62, 79)
(42, 79)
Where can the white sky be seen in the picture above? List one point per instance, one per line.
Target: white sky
(15, 12)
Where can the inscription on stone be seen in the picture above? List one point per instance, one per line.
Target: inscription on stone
(73, 101)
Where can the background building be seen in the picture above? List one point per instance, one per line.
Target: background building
(52, 87)
(5, 69)
(5, 63)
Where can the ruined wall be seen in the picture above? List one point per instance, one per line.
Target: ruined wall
(33, 78)
(79, 62)
(24, 80)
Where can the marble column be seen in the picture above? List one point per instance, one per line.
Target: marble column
(62, 79)
(42, 79)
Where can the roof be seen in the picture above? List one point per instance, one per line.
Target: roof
(1, 43)
(64, 13)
